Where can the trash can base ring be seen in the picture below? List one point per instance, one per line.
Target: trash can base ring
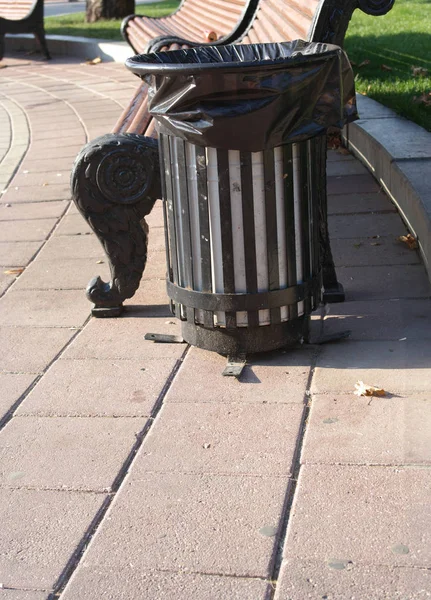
(248, 339)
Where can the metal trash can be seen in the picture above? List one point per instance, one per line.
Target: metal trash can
(242, 145)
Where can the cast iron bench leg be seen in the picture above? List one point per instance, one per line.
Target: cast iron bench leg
(39, 34)
(115, 183)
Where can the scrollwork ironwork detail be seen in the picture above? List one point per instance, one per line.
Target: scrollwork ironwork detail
(115, 183)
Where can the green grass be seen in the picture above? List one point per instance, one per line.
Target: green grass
(399, 40)
(107, 29)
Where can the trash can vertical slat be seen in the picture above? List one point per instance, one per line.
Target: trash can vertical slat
(297, 210)
(281, 224)
(304, 149)
(184, 220)
(204, 226)
(215, 227)
(237, 229)
(260, 237)
(226, 231)
(249, 232)
(272, 232)
(164, 142)
(195, 241)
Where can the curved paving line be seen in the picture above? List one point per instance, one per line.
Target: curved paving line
(19, 140)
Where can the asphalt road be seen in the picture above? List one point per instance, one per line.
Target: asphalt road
(66, 8)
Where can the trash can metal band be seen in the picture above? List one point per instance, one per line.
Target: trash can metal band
(243, 302)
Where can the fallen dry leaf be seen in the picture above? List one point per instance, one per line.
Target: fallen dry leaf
(99, 262)
(419, 71)
(385, 68)
(16, 271)
(45, 184)
(363, 389)
(2, 66)
(93, 61)
(364, 63)
(409, 240)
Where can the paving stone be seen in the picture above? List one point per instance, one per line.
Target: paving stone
(156, 239)
(73, 225)
(359, 184)
(345, 167)
(30, 349)
(155, 218)
(271, 377)
(365, 226)
(65, 452)
(124, 338)
(381, 319)
(359, 203)
(17, 254)
(151, 297)
(397, 366)
(67, 247)
(203, 523)
(365, 252)
(30, 178)
(369, 283)
(41, 165)
(27, 230)
(344, 581)
(222, 438)
(40, 531)
(35, 194)
(36, 210)
(12, 386)
(92, 387)
(105, 583)
(371, 515)
(345, 429)
(61, 274)
(22, 595)
(43, 308)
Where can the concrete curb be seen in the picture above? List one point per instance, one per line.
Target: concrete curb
(65, 45)
(398, 154)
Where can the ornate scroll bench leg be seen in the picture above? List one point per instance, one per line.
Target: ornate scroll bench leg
(115, 183)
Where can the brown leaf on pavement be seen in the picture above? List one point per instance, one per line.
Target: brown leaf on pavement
(93, 61)
(363, 389)
(409, 240)
(419, 71)
(16, 271)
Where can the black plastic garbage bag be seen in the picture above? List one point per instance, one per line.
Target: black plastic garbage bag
(249, 97)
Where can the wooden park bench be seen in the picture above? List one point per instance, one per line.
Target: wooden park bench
(116, 177)
(23, 16)
(199, 21)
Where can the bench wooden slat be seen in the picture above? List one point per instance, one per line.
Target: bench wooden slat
(192, 21)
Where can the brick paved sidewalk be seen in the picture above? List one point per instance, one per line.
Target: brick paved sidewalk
(130, 470)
